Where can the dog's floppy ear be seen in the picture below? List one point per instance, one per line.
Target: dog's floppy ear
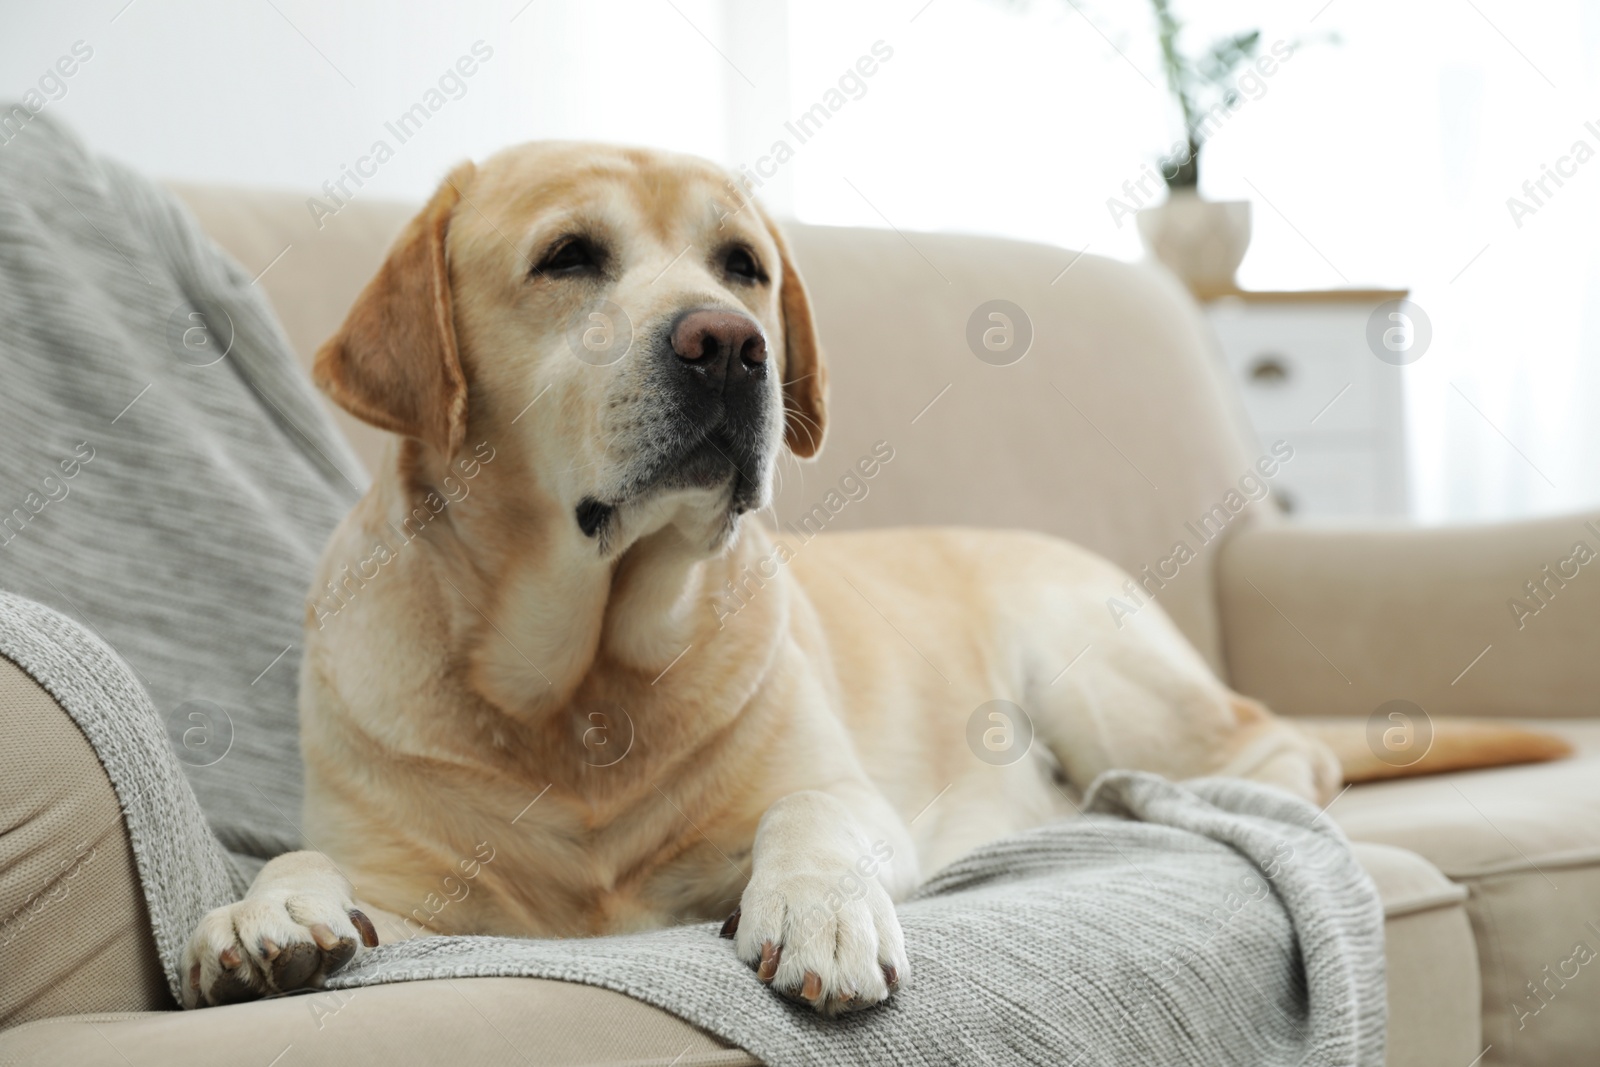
(805, 376)
(394, 362)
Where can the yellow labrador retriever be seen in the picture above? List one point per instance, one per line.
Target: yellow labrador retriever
(522, 712)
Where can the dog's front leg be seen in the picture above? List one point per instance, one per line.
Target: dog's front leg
(817, 919)
(296, 925)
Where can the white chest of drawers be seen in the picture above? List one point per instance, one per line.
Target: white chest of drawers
(1309, 376)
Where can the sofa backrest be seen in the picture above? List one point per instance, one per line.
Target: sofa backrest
(1115, 429)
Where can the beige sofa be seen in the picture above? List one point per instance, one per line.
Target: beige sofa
(1116, 430)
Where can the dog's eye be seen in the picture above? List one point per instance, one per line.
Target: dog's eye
(741, 263)
(573, 255)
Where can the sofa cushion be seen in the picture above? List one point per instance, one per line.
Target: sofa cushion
(525, 1022)
(1525, 843)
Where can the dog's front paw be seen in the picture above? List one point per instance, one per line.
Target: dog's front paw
(272, 942)
(829, 939)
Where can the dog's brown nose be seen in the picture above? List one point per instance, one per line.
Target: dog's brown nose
(726, 347)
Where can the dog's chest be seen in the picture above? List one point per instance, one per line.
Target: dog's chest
(576, 866)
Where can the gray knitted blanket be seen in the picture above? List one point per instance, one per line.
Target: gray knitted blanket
(1214, 922)
(168, 477)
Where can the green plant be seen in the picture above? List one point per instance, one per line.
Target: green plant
(1198, 85)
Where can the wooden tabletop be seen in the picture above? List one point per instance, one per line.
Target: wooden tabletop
(1206, 294)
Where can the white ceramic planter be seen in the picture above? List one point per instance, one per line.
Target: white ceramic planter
(1201, 241)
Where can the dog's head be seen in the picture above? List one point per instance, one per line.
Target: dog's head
(626, 321)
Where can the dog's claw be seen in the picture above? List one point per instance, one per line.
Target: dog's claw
(363, 925)
(770, 958)
(811, 988)
(891, 975)
(731, 926)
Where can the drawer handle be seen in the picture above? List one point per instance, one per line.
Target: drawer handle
(1269, 370)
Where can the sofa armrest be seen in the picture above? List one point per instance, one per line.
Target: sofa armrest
(1491, 620)
(74, 931)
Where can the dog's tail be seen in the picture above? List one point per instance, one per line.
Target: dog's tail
(1372, 753)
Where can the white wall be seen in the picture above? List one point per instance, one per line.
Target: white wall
(286, 92)
(1385, 159)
